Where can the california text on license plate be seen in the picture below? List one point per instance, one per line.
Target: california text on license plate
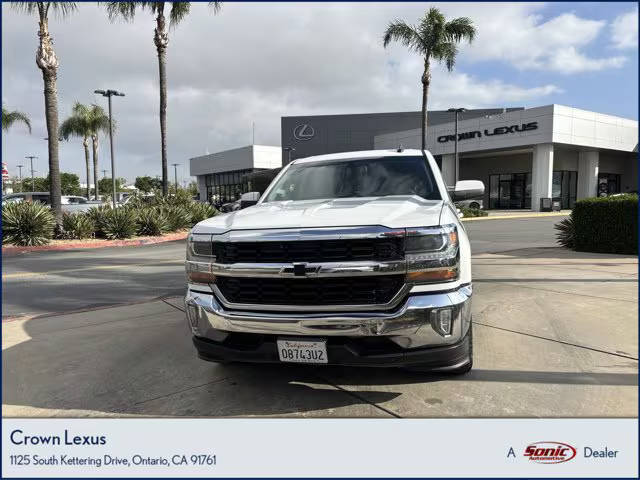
(302, 351)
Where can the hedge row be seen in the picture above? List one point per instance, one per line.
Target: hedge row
(606, 224)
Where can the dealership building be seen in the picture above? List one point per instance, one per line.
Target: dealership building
(521, 155)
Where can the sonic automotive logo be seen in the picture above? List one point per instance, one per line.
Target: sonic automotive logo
(549, 452)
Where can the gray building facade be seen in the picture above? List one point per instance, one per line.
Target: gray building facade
(319, 134)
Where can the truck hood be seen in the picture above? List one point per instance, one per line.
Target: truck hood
(390, 211)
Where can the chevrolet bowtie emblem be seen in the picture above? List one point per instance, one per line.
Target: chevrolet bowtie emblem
(300, 270)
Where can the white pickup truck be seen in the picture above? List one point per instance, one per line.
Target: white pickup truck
(353, 258)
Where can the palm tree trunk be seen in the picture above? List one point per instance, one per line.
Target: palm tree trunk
(94, 139)
(426, 81)
(161, 39)
(48, 63)
(85, 144)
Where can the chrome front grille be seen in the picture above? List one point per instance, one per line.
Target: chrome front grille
(310, 251)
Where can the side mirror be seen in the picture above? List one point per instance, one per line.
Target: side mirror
(466, 189)
(248, 199)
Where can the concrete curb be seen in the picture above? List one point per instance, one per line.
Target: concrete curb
(11, 250)
(509, 217)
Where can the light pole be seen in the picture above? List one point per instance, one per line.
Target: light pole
(109, 94)
(456, 168)
(104, 173)
(20, 175)
(175, 175)
(289, 150)
(31, 157)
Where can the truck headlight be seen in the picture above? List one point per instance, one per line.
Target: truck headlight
(432, 254)
(199, 259)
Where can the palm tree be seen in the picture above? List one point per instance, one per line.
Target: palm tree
(47, 62)
(433, 38)
(9, 118)
(99, 122)
(178, 11)
(87, 122)
(77, 125)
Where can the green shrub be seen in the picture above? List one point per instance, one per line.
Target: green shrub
(97, 217)
(151, 221)
(201, 211)
(606, 224)
(77, 225)
(27, 223)
(119, 223)
(178, 217)
(472, 212)
(566, 235)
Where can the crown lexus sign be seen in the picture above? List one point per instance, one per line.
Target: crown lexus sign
(303, 132)
(525, 127)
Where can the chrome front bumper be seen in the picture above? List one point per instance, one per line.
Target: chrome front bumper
(409, 325)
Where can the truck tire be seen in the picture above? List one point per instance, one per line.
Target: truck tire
(474, 205)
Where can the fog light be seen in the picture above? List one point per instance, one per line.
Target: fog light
(442, 321)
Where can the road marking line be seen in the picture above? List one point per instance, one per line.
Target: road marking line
(98, 267)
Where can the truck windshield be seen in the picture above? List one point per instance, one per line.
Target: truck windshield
(370, 177)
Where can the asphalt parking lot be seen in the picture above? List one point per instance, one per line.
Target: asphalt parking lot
(555, 335)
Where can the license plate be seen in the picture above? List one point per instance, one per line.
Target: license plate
(302, 351)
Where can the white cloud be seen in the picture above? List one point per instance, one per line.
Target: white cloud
(625, 30)
(559, 44)
(570, 60)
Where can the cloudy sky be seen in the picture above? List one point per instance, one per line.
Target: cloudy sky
(256, 62)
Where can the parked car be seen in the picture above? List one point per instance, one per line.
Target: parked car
(70, 203)
(471, 203)
(353, 258)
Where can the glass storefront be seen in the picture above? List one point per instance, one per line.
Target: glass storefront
(608, 184)
(513, 190)
(510, 190)
(565, 187)
(226, 187)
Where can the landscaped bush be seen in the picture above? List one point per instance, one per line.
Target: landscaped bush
(97, 216)
(27, 223)
(566, 235)
(178, 217)
(472, 212)
(32, 223)
(606, 224)
(119, 223)
(201, 211)
(77, 225)
(151, 221)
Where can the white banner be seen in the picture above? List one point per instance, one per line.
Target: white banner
(320, 447)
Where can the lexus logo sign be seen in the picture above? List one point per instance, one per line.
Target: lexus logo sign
(304, 132)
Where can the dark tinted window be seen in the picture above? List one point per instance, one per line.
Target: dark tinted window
(371, 177)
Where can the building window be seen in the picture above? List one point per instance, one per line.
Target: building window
(608, 184)
(564, 187)
(225, 187)
(513, 190)
(510, 190)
